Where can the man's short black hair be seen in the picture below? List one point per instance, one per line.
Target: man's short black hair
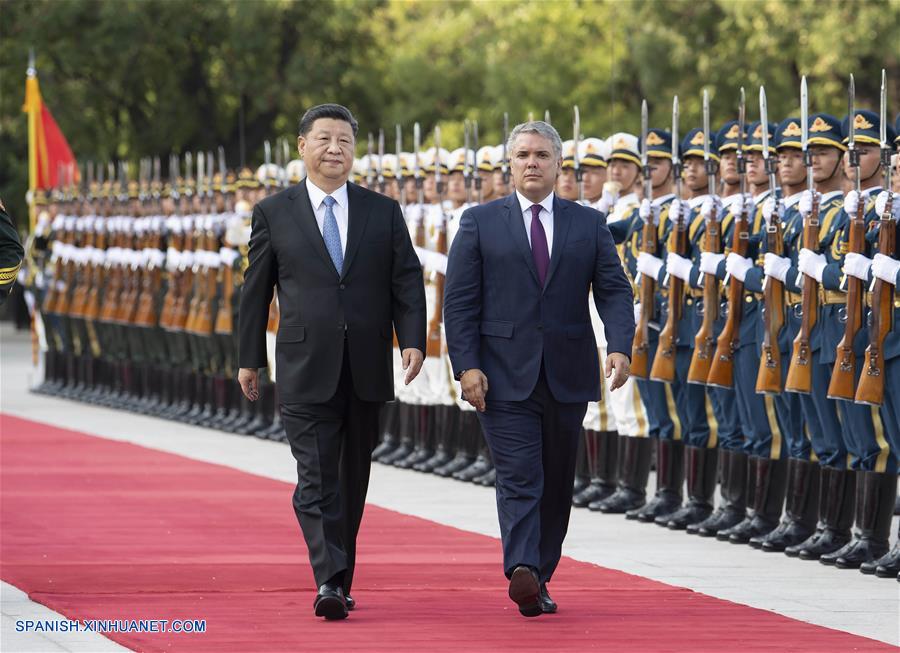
(335, 111)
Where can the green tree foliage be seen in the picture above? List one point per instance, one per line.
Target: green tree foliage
(132, 78)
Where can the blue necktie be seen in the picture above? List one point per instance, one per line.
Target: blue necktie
(332, 236)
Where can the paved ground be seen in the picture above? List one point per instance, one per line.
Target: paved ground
(844, 600)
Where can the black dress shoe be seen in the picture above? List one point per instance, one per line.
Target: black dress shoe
(548, 605)
(350, 602)
(525, 591)
(330, 602)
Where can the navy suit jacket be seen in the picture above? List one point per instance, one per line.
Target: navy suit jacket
(498, 318)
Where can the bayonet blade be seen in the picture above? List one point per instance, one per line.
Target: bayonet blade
(883, 126)
(437, 154)
(675, 156)
(547, 116)
(705, 125)
(764, 119)
(417, 138)
(804, 114)
(576, 128)
(645, 122)
(742, 122)
(851, 100)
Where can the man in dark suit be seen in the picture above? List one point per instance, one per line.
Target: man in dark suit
(347, 277)
(519, 277)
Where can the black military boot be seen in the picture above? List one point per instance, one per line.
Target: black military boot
(750, 472)
(879, 490)
(700, 470)
(425, 441)
(482, 464)
(634, 469)
(601, 448)
(582, 471)
(247, 413)
(446, 435)
(209, 405)
(407, 425)
(836, 511)
(232, 404)
(262, 416)
(468, 434)
(187, 387)
(669, 482)
(710, 526)
(801, 510)
(488, 478)
(768, 501)
(888, 565)
(389, 439)
(422, 422)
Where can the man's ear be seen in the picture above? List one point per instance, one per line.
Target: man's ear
(301, 145)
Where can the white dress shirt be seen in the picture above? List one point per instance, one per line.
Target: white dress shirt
(340, 209)
(545, 216)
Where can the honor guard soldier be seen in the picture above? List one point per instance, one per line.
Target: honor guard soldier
(11, 253)
(633, 447)
(872, 459)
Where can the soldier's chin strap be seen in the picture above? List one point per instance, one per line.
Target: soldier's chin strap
(877, 171)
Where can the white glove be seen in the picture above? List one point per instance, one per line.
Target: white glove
(772, 208)
(649, 265)
(648, 212)
(857, 265)
(711, 207)
(804, 206)
(679, 267)
(675, 210)
(812, 264)
(740, 203)
(776, 266)
(709, 262)
(885, 268)
(637, 313)
(608, 198)
(881, 204)
(737, 266)
(851, 203)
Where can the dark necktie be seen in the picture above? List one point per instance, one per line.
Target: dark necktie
(539, 249)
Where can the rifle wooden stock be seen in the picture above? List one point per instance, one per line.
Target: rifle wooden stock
(842, 384)
(871, 382)
(768, 378)
(799, 377)
(663, 368)
(274, 315)
(704, 341)
(721, 372)
(640, 348)
(225, 315)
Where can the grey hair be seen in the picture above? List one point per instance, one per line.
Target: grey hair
(540, 128)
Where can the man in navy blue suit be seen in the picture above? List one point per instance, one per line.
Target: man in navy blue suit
(519, 278)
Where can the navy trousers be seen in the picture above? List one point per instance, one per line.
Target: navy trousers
(533, 444)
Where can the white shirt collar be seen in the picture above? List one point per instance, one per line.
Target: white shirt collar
(831, 195)
(694, 202)
(659, 201)
(869, 192)
(790, 200)
(317, 195)
(525, 203)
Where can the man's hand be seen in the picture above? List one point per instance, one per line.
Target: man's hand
(412, 363)
(474, 388)
(248, 377)
(619, 368)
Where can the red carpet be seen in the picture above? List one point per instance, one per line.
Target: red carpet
(97, 529)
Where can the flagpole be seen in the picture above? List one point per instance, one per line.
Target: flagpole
(32, 106)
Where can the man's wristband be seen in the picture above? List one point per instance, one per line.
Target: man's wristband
(460, 375)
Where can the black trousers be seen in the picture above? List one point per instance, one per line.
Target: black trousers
(534, 445)
(332, 443)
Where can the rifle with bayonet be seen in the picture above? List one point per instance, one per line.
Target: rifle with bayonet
(401, 186)
(871, 382)
(379, 166)
(419, 240)
(721, 372)
(799, 377)
(176, 244)
(663, 368)
(479, 193)
(704, 341)
(640, 362)
(434, 343)
(843, 381)
(576, 163)
(768, 378)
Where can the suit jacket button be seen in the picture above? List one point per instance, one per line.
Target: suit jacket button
(540, 327)
(343, 286)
